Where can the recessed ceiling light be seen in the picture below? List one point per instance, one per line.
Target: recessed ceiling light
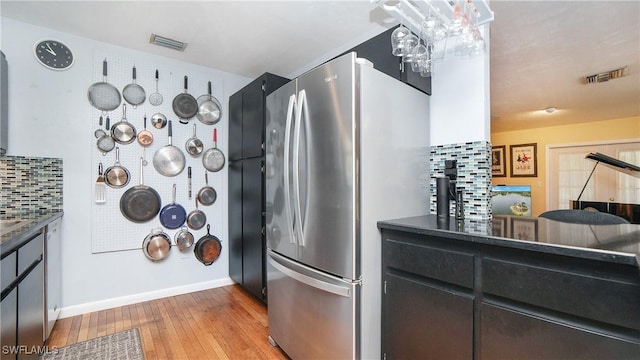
(550, 110)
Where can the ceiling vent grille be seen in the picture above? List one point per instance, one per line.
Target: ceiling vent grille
(606, 76)
(168, 43)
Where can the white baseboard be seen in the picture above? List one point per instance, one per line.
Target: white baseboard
(141, 297)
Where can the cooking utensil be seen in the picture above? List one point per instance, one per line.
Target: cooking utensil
(196, 218)
(189, 177)
(117, 176)
(173, 216)
(213, 159)
(169, 160)
(157, 245)
(102, 95)
(140, 203)
(194, 146)
(100, 187)
(133, 93)
(207, 195)
(123, 132)
(158, 120)
(145, 137)
(184, 239)
(184, 105)
(104, 142)
(209, 108)
(208, 248)
(155, 99)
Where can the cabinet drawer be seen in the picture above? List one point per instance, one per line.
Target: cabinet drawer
(605, 300)
(30, 252)
(8, 269)
(443, 265)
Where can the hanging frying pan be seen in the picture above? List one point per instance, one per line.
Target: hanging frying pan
(173, 216)
(140, 203)
(184, 105)
(133, 93)
(184, 239)
(196, 218)
(169, 160)
(157, 245)
(207, 195)
(208, 248)
(156, 98)
(145, 137)
(194, 146)
(122, 131)
(102, 95)
(209, 108)
(117, 176)
(213, 159)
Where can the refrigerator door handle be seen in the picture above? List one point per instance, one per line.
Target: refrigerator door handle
(302, 118)
(287, 190)
(307, 280)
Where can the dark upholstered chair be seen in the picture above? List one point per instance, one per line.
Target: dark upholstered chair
(583, 217)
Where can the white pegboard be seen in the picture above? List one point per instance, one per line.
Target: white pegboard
(111, 231)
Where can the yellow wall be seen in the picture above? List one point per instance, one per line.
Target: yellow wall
(617, 129)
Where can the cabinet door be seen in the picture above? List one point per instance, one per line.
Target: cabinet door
(8, 308)
(510, 334)
(420, 321)
(414, 79)
(31, 312)
(252, 119)
(252, 223)
(235, 221)
(378, 51)
(235, 126)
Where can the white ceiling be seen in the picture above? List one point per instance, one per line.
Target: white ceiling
(540, 50)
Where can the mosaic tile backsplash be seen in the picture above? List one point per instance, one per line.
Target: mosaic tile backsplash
(474, 176)
(30, 184)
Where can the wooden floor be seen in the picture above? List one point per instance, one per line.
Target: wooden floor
(221, 323)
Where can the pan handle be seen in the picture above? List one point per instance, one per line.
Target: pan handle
(209, 89)
(141, 172)
(189, 177)
(134, 73)
(186, 82)
(104, 68)
(174, 194)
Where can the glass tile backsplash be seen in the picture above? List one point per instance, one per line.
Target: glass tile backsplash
(30, 184)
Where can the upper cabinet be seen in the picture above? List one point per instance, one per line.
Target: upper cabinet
(378, 51)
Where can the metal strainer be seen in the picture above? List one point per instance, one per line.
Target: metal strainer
(156, 98)
(102, 95)
(133, 93)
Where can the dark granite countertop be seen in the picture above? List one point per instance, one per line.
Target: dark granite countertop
(33, 222)
(611, 243)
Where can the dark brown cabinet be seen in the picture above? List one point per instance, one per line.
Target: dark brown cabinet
(247, 252)
(455, 299)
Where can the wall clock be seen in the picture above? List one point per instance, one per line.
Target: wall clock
(53, 54)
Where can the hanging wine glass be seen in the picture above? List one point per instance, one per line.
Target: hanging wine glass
(397, 38)
(409, 43)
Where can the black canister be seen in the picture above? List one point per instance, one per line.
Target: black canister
(442, 197)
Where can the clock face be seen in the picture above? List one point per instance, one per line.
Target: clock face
(53, 54)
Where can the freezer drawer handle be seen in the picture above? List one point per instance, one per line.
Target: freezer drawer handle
(321, 285)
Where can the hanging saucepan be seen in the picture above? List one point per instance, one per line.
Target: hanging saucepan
(213, 159)
(185, 105)
(157, 245)
(158, 120)
(140, 203)
(196, 218)
(207, 195)
(208, 248)
(117, 176)
(173, 216)
(169, 160)
(184, 239)
(133, 93)
(122, 131)
(194, 146)
(104, 141)
(145, 137)
(102, 95)
(209, 108)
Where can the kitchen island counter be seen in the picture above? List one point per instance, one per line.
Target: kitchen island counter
(31, 223)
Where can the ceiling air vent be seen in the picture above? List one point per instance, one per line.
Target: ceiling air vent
(605, 76)
(168, 43)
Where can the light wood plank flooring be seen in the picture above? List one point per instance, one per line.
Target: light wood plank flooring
(221, 323)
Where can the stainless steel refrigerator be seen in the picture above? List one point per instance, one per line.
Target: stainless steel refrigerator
(346, 146)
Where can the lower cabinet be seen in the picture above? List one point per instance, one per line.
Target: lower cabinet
(9, 324)
(451, 299)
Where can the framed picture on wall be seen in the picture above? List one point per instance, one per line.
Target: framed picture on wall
(524, 160)
(524, 228)
(498, 161)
